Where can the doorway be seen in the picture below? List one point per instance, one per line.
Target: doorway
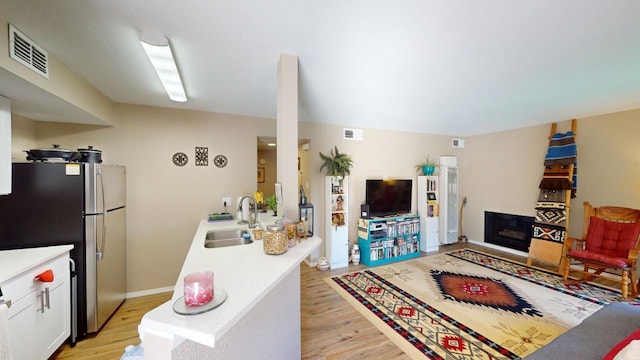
(268, 165)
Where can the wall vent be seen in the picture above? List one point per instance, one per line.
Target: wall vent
(353, 134)
(457, 143)
(25, 51)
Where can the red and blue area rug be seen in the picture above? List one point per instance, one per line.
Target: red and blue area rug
(466, 304)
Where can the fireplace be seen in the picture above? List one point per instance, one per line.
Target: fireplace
(511, 231)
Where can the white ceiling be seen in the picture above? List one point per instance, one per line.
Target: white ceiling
(443, 67)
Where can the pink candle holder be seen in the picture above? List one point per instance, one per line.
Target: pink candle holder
(198, 288)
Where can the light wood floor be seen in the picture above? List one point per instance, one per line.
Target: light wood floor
(121, 330)
(331, 328)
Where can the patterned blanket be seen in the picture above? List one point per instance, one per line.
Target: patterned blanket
(562, 153)
(551, 216)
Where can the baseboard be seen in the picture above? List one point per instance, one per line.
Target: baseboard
(136, 294)
(498, 247)
(310, 263)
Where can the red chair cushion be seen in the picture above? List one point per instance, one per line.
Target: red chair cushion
(601, 258)
(610, 238)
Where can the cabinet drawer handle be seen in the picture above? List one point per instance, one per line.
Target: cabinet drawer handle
(44, 299)
(46, 291)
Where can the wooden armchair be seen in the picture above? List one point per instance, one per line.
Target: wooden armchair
(610, 240)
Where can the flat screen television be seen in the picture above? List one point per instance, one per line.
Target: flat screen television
(388, 197)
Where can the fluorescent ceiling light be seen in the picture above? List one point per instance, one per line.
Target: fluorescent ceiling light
(159, 53)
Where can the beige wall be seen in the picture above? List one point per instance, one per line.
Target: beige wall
(62, 83)
(502, 171)
(498, 172)
(23, 137)
(382, 154)
(270, 169)
(165, 202)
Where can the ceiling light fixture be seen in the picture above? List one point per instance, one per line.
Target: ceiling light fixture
(159, 52)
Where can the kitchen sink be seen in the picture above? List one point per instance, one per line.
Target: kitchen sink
(225, 234)
(226, 242)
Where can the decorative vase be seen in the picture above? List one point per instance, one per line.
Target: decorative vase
(355, 254)
(428, 170)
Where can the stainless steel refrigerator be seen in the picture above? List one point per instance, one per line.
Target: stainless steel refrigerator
(83, 204)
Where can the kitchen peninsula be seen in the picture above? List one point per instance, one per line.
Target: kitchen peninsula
(260, 318)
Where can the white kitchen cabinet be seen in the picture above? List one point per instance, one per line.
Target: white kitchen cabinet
(337, 220)
(5, 146)
(40, 312)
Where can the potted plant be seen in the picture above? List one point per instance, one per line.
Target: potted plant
(272, 204)
(336, 163)
(427, 166)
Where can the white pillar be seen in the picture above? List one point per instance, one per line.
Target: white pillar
(287, 132)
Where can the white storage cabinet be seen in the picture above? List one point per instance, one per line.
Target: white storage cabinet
(429, 210)
(337, 220)
(40, 312)
(448, 184)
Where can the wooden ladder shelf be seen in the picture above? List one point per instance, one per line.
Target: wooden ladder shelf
(548, 251)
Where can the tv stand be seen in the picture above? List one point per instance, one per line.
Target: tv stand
(388, 239)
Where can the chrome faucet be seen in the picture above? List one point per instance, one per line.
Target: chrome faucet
(254, 223)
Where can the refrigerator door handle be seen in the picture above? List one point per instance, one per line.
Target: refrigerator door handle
(100, 253)
(74, 302)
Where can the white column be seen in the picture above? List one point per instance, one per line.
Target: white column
(5, 146)
(287, 132)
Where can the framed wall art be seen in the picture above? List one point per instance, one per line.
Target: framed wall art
(260, 174)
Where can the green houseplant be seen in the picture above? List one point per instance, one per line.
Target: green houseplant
(428, 166)
(336, 163)
(272, 204)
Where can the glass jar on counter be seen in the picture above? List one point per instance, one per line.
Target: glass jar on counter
(291, 230)
(275, 240)
(257, 233)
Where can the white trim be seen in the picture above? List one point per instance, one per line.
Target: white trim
(310, 263)
(501, 248)
(136, 294)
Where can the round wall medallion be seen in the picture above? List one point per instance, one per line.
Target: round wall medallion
(180, 159)
(220, 161)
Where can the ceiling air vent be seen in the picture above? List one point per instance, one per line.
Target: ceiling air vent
(25, 51)
(457, 143)
(353, 134)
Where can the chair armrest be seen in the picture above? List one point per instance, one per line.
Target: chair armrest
(569, 243)
(633, 256)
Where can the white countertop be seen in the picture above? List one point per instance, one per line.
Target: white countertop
(245, 272)
(16, 262)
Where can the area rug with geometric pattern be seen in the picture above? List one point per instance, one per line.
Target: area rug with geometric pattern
(466, 304)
